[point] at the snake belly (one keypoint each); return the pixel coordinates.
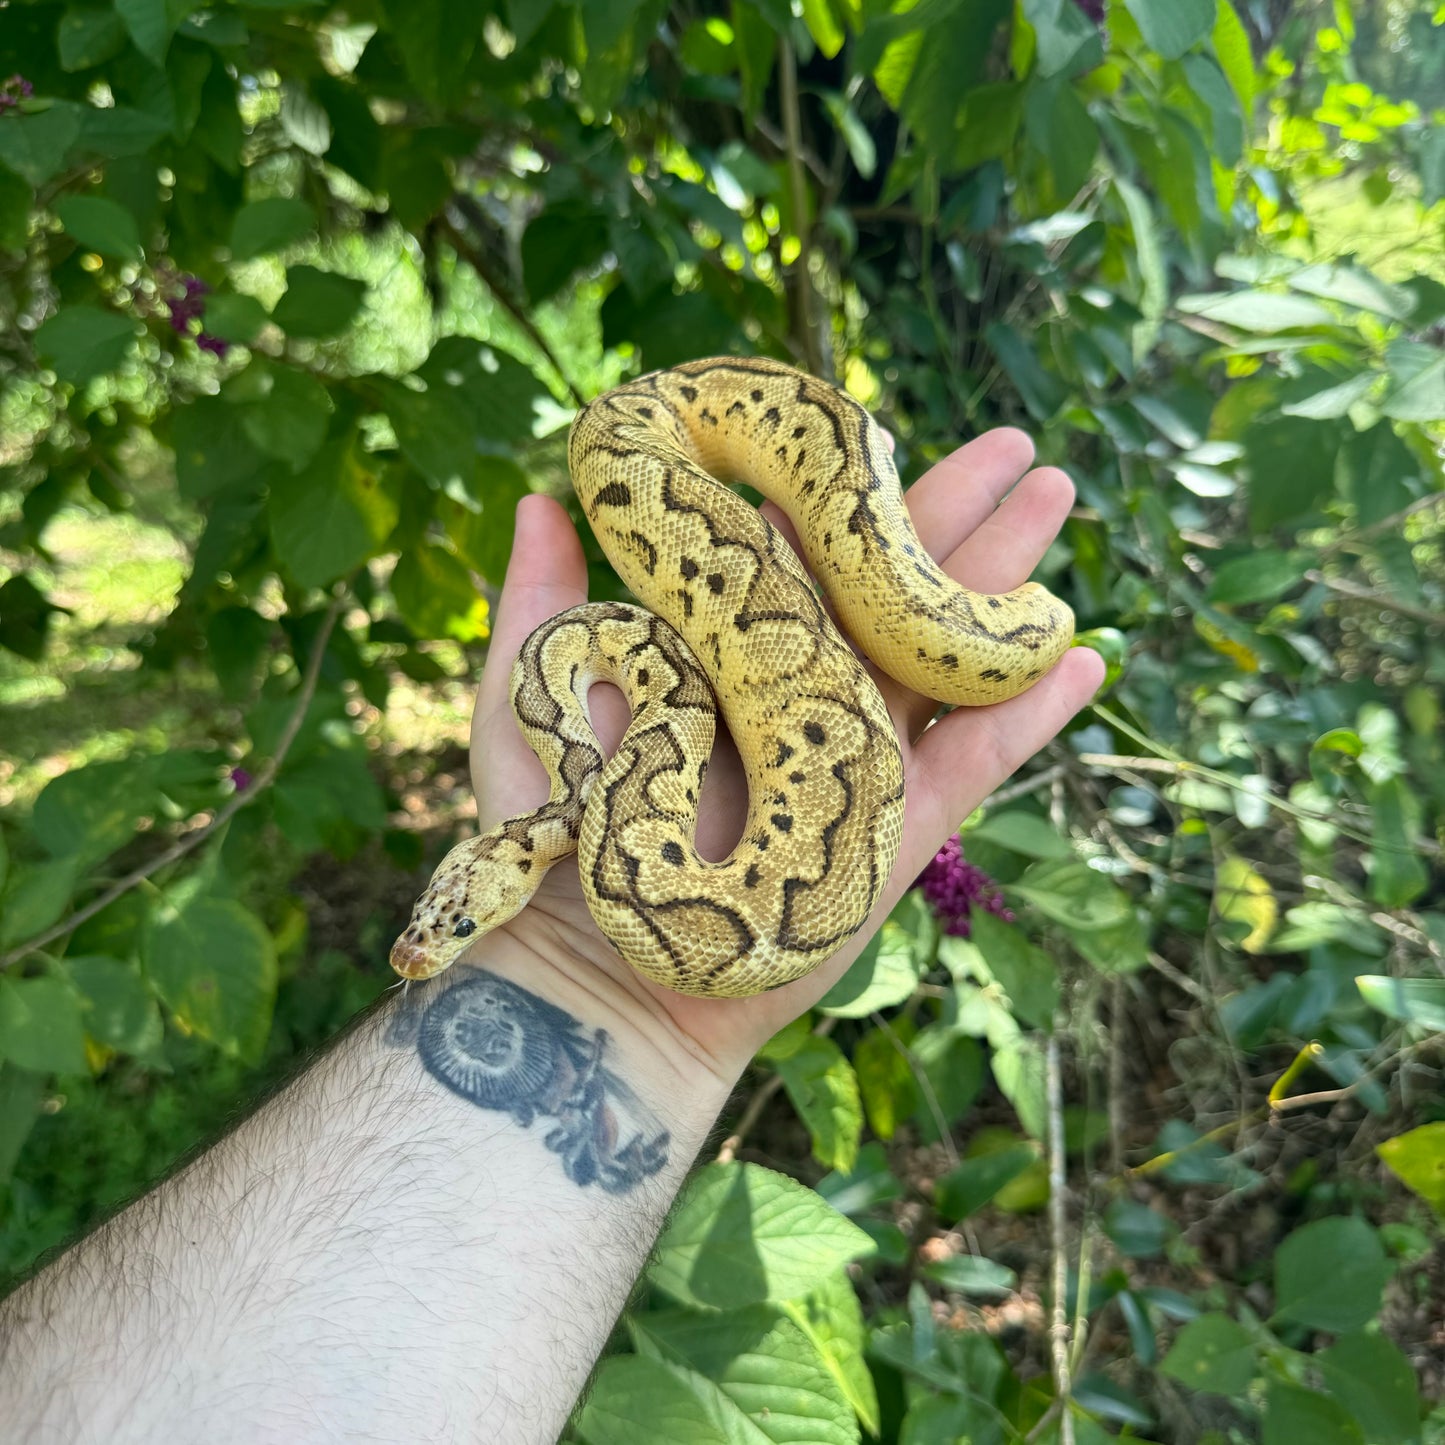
(650, 462)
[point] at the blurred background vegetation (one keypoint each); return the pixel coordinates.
(298, 300)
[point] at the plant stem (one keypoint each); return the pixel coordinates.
(1059, 1314)
(798, 195)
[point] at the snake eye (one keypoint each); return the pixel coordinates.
(465, 928)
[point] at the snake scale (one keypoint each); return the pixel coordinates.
(734, 617)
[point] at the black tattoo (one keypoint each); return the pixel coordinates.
(503, 1048)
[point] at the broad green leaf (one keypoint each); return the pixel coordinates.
(152, 23)
(1291, 465)
(436, 595)
(317, 303)
(20, 1095)
(1398, 874)
(1260, 576)
(1418, 397)
(117, 1009)
(1041, 391)
(479, 519)
(967, 1188)
(1352, 286)
(1066, 41)
(1073, 894)
(634, 1398)
(870, 1183)
(762, 1361)
(213, 449)
(1293, 1415)
(101, 225)
(742, 1235)
(1212, 1353)
(1369, 1376)
(885, 1081)
(234, 317)
(1333, 401)
(824, 1089)
(1417, 1158)
(17, 204)
(558, 243)
(35, 897)
(1149, 256)
(268, 225)
(831, 1317)
(1261, 311)
(88, 37)
(40, 1026)
(36, 145)
(332, 517)
(1242, 895)
(1018, 1070)
(881, 977)
(285, 411)
(972, 1275)
(1411, 1000)
(1138, 1231)
(1330, 1275)
(214, 966)
(952, 1068)
(92, 810)
(1024, 833)
(1235, 55)
(1027, 973)
(304, 121)
(823, 26)
(1172, 26)
(83, 341)
(499, 393)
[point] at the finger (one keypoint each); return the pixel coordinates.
(959, 493)
(963, 757)
(546, 574)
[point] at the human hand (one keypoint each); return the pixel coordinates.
(950, 767)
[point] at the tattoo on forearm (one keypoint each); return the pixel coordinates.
(504, 1048)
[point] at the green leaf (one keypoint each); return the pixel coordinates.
(268, 225)
(1417, 1157)
(20, 1094)
(1398, 874)
(101, 225)
(1138, 1231)
(317, 303)
(1212, 1353)
(35, 897)
(117, 1009)
(884, 974)
(1411, 1000)
(284, 411)
(824, 1089)
(1333, 401)
(967, 1188)
(214, 966)
(972, 1275)
(1172, 26)
(1330, 1275)
(92, 810)
(1073, 894)
(1257, 311)
(1236, 58)
(1026, 973)
(952, 1065)
(479, 514)
(1291, 465)
(40, 1026)
(436, 595)
(1066, 40)
(1039, 390)
(1149, 255)
(36, 145)
(1024, 833)
(762, 1361)
(234, 317)
(832, 1319)
(635, 1398)
(213, 450)
(885, 1081)
(83, 341)
(823, 26)
(1260, 576)
(556, 244)
(17, 202)
(88, 37)
(1376, 1384)
(1351, 286)
(1018, 1070)
(742, 1235)
(332, 517)
(1419, 396)
(1293, 1415)
(152, 23)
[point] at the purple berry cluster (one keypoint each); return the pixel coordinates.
(954, 887)
(13, 91)
(1094, 9)
(190, 306)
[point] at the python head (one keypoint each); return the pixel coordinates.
(480, 885)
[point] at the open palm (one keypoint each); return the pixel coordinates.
(989, 544)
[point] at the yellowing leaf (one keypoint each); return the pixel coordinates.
(1242, 895)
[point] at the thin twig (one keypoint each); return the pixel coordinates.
(265, 776)
(1025, 787)
(1059, 1314)
(1357, 593)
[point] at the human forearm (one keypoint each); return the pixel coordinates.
(427, 1236)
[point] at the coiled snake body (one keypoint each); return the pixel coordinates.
(733, 615)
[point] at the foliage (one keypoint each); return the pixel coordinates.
(317, 289)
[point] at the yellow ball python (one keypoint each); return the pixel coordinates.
(733, 616)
